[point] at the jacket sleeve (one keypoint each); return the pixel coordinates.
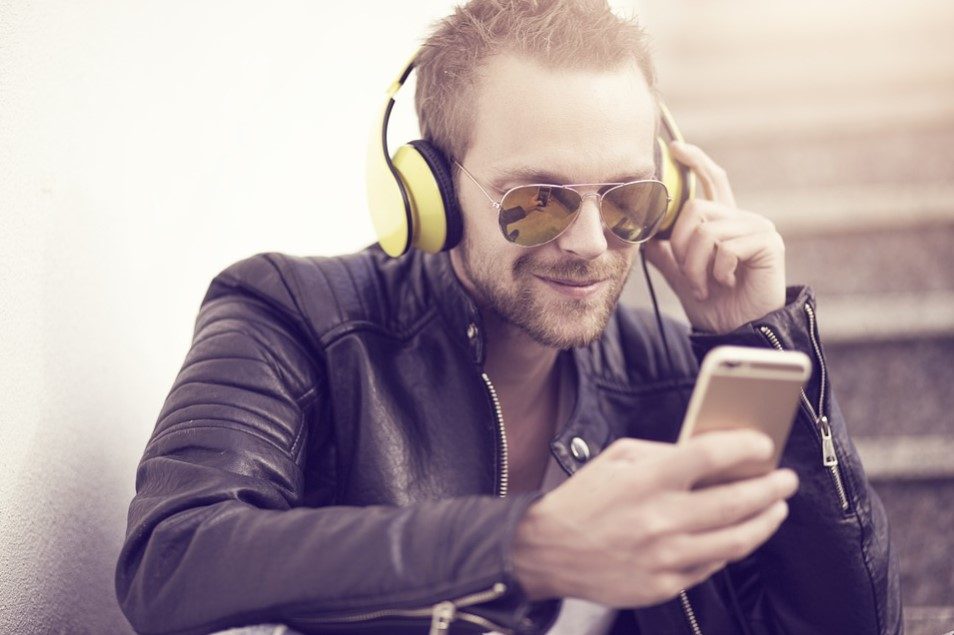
(219, 534)
(830, 568)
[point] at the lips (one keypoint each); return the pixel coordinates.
(572, 288)
(571, 283)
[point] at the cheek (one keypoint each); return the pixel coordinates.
(478, 216)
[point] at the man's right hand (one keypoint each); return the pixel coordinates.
(629, 530)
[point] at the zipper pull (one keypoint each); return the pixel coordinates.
(442, 617)
(829, 458)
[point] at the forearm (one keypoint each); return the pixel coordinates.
(225, 550)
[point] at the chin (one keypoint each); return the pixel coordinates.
(565, 327)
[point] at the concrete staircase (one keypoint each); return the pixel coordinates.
(836, 120)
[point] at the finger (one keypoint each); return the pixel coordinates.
(630, 449)
(717, 246)
(659, 253)
(730, 543)
(724, 505)
(695, 213)
(755, 250)
(713, 453)
(700, 249)
(668, 584)
(714, 251)
(712, 177)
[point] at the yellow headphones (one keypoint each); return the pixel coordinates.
(411, 195)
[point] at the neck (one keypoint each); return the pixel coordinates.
(527, 378)
(519, 365)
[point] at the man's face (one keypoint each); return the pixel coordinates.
(538, 125)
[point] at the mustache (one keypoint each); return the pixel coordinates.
(573, 269)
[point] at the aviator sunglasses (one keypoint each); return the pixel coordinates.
(532, 215)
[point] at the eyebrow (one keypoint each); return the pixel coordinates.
(527, 175)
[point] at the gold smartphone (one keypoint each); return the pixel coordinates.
(743, 387)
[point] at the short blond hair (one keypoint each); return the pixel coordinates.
(556, 33)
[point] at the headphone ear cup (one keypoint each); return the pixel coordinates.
(672, 177)
(679, 180)
(437, 213)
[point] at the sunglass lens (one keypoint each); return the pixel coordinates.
(633, 210)
(535, 214)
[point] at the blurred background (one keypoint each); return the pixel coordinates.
(146, 146)
(836, 120)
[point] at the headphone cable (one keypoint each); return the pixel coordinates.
(659, 321)
(727, 579)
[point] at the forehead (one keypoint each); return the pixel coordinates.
(586, 125)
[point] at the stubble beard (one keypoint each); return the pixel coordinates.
(560, 323)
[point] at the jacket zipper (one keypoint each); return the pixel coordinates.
(446, 612)
(829, 456)
(690, 613)
(503, 483)
(441, 614)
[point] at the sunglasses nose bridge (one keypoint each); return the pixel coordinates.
(597, 200)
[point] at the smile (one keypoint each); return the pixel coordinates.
(573, 288)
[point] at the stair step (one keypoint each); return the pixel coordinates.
(907, 457)
(788, 117)
(867, 261)
(929, 620)
(858, 319)
(839, 208)
(892, 387)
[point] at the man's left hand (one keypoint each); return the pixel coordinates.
(726, 265)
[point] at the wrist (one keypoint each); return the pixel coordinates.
(535, 554)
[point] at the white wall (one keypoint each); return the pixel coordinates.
(143, 147)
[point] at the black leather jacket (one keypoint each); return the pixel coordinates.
(331, 456)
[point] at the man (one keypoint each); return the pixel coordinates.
(385, 445)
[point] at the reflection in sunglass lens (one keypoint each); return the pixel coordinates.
(632, 211)
(535, 214)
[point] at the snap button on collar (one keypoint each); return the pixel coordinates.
(579, 449)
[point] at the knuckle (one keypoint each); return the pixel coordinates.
(621, 449)
(653, 528)
(668, 585)
(739, 546)
(667, 555)
(707, 233)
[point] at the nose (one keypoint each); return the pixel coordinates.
(586, 237)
